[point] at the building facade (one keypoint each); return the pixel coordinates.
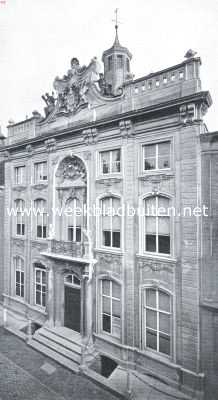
(132, 284)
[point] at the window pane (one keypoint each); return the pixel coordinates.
(38, 298)
(116, 290)
(106, 323)
(39, 231)
(17, 276)
(150, 206)
(107, 238)
(149, 163)
(106, 287)
(22, 291)
(105, 162)
(43, 299)
(116, 161)
(150, 225)
(164, 244)
(163, 225)
(149, 157)
(38, 276)
(23, 229)
(76, 281)
(151, 339)
(43, 277)
(116, 239)
(78, 234)
(163, 202)
(164, 155)
(164, 323)
(150, 150)
(17, 289)
(164, 301)
(151, 298)
(106, 306)
(151, 319)
(116, 308)
(44, 231)
(164, 344)
(150, 243)
(22, 277)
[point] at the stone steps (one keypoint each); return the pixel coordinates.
(60, 344)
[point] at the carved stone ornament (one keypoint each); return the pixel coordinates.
(125, 128)
(188, 113)
(39, 245)
(50, 145)
(156, 266)
(87, 155)
(6, 155)
(18, 243)
(72, 169)
(90, 135)
(29, 149)
(72, 89)
(106, 259)
(19, 188)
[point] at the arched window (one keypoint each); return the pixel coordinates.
(19, 212)
(111, 307)
(110, 222)
(157, 225)
(72, 280)
(19, 276)
(74, 220)
(157, 320)
(41, 218)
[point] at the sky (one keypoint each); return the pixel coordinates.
(38, 38)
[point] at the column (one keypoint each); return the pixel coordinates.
(59, 298)
(50, 299)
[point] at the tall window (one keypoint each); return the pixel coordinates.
(127, 65)
(41, 218)
(110, 161)
(74, 220)
(40, 172)
(40, 285)
(19, 276)
(19, 175)
(111, 222)
(157, 320)
(119, 61)
(157, 225)
(20, 225)
(157, 156)
(111, 307)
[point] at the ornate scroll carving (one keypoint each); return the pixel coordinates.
(50, 145)
(156, 265)
(29, 149)
(187, 113)
(125, 128)
(90, 136)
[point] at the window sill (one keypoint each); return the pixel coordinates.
(114, 178)
(40, 185)
(109, 251)
(22, 237)
(107, 338)
(155, 256)
(158, 173)
(161, 357)
(20, 187)
(38, 308)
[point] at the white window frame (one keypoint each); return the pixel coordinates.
(19, 174)
(156, 225)
(20, 213)
(40, 170)
(111, 224)
(74, 226)
(156, 144)
(19, 268)
(111, 281)
(72, 283)
(158, 312)
(41, 270)
(42, 214)
(110, 151)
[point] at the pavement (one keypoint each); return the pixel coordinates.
(26, 374)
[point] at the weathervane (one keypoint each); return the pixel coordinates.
(116, 20)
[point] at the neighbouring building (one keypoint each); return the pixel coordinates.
(141, 289)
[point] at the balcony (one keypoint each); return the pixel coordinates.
(72, 249)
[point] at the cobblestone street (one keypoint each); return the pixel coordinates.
(28, 375)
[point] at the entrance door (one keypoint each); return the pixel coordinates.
(72, 307)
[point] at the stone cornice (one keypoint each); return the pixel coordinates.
(203, 96)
